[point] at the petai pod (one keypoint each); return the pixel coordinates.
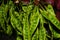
(34, 20)
(4, 19)
(3, 15)
(44, 13)
(54, 21)
(42, 30)
(50, 10)
(35, 36)
(19, 18)
(14, 20)
(51, 17)
(55, 34)
(26, 30)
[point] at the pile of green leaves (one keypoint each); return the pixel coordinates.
(31, 22)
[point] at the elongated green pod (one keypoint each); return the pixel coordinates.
(35, 36)
(50, 17)
(34, 20)
(42, 30)
(3, 16)
(26, 30)
(50, 10)
(19, 24)
(16, 23)
(11, 15)
(44, 13)
(15, 20)
(2, 21)
(3, 12)
(54, 21)
(54, 33)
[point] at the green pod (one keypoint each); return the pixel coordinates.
(35, 36)
(55, 34)
(26, 30)
(2, 20)
(34, 20)
(16, 24)
(14, 20)
(42, 30)
(54, 21)
(50, 10)
(3, 16)
(44, 13)
(51, 18)
(11, 15)
(19, 18)
(3, 12)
